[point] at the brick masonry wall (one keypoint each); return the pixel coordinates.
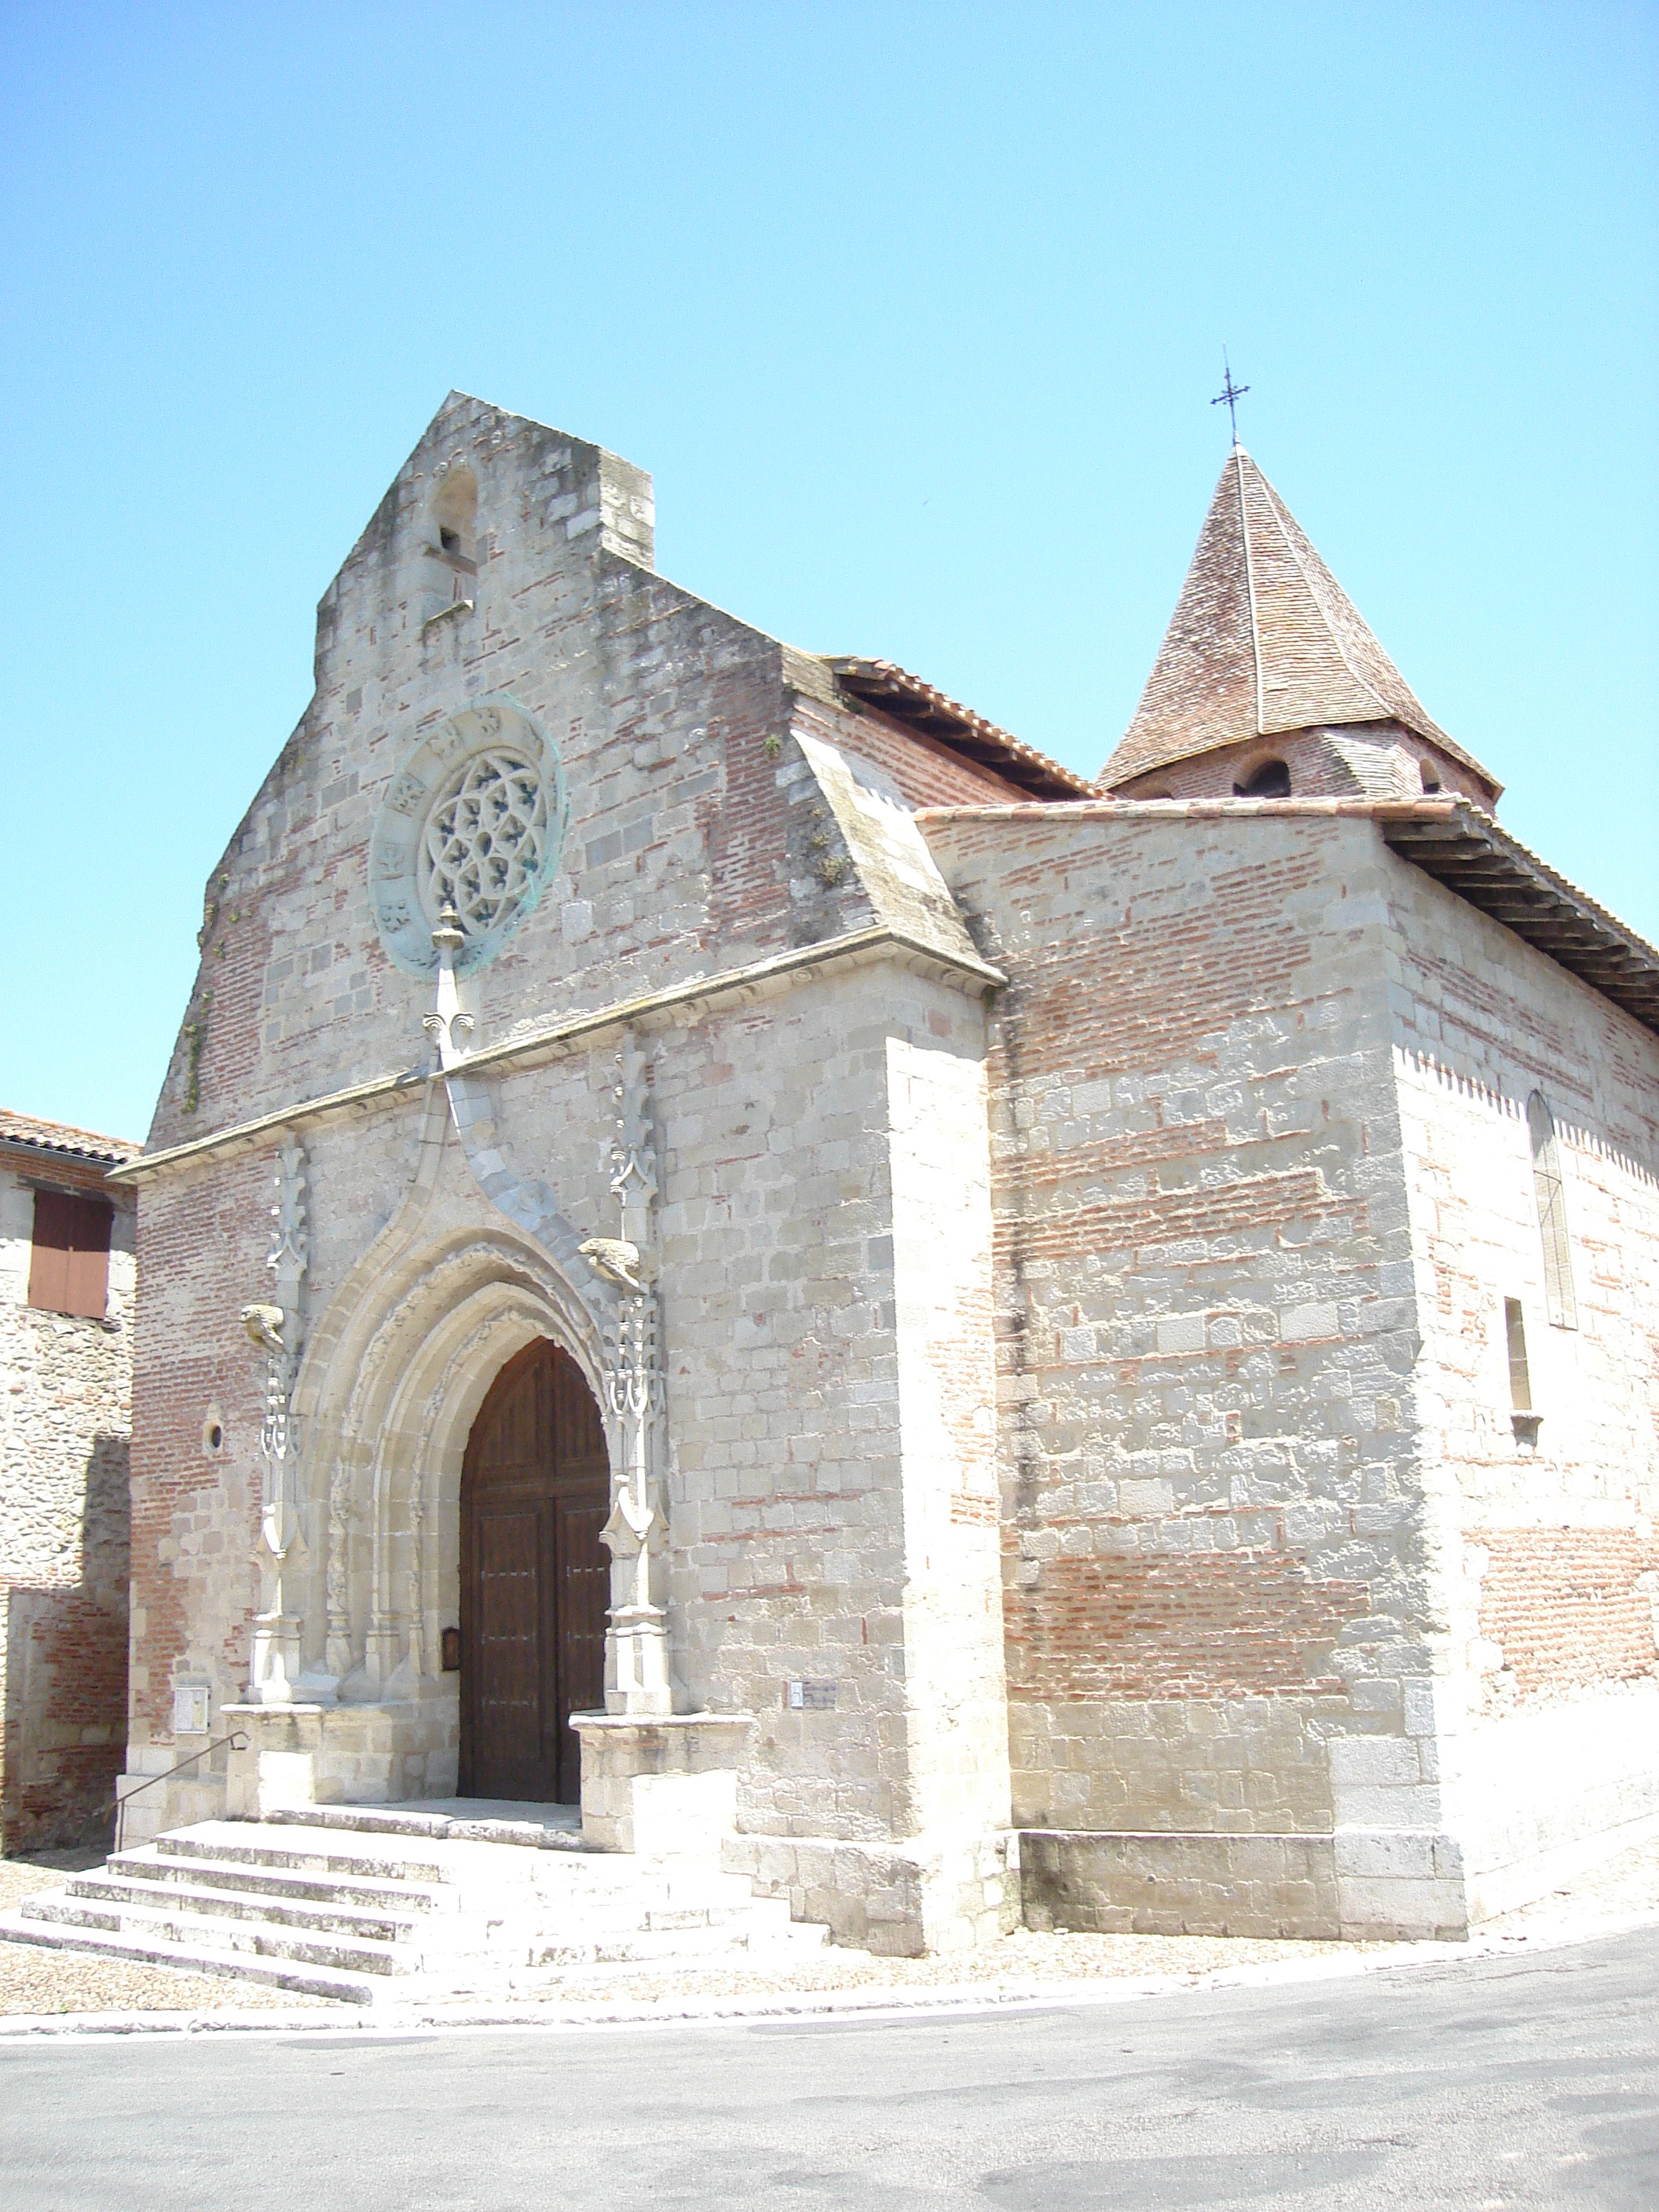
(927, 773)
(65, 1393)
(1565, 1609)
(1212, 1566)
(202, 1237)
(1366, 760)
(1549, 1551)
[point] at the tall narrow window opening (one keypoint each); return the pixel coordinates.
(1515, 1329)
(455, 510)
(1552, 1215)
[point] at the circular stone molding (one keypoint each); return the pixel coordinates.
(475, 819)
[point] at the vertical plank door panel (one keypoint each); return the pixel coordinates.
(535, 1578)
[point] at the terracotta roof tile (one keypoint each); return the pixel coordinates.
(59, 1137)
(908, 699)
(1263, 640)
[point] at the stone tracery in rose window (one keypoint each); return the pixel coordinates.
(484, 841)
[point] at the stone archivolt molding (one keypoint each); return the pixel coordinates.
(395, 1368)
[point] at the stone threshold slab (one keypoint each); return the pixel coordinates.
(455, 1819)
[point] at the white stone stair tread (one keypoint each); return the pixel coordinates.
(107, 1891)
(196, 1932)
(308, 1851)
(242, 1878)
(149, 1950)
(487, 1821)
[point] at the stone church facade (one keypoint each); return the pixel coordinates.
(998, 1345)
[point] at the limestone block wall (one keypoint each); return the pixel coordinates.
(942, 1242)
(701, 839)
(825, 1223)
(1549, 1556)
(65, 1417)
(815, 1328)
(687, 832)
(1216, 1584)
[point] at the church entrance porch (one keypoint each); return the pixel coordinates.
(534, 1579)
(405, 1904)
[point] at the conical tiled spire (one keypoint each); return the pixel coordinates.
(1263, 640)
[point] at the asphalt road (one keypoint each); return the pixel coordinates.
(1521, 2081)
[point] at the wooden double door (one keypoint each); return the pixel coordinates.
(535, 1579)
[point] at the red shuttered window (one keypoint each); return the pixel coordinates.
(69, 1262)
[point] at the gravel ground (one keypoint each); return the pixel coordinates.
(1020, 1965)
(1623, 1891)
(34, 1980)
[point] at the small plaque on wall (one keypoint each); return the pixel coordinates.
(449, 1643)
(190, 1708)
(811, 1697)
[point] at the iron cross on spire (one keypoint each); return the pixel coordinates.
(1231, 392)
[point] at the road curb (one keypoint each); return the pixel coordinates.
(796, 2006)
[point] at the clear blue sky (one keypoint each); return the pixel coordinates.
(913, 313)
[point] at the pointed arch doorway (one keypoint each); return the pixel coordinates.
(535, 1493)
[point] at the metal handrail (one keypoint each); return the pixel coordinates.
(237, 1741)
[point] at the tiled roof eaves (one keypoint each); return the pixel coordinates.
(883, 683)
(20, 1134)
(1463, 847)
(1452, 840)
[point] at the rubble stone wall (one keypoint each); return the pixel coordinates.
(65, 1418)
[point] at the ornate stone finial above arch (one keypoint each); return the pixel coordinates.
(637, 1678)
(276, 1630)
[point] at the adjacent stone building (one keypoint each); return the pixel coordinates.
(1004, 1344)
(66, 1294)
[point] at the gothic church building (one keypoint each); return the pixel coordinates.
(727, 1243)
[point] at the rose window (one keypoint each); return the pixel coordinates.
(484, 843)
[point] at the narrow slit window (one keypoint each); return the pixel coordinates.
(1514, 1328)
(1552, 1215)
(455, 511)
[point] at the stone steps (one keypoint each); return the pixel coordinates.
(185, 1930)
(169, 1892)
(369, 1903)
(193, 1958)
(149, 1863)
